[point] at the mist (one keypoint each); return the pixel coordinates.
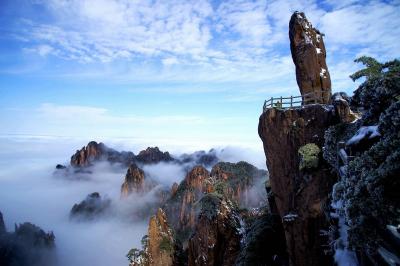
(29, 192)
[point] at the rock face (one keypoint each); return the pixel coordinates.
(241, 182)
(90, 208)
(181, 206)
(340, 101)
(159, 246)
(2, 225)
(206, 159)
(299, 192)
(153, 155)
(204, 216)
(161, 241)
(134, 181)
(264, 243)
(28, 245)
(308, 53)
(98, 151)
(216, 240)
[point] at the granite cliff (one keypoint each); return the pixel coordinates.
(27, 245)
(300, 180)
(309, 56)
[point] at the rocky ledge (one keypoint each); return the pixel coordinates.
(299, 178)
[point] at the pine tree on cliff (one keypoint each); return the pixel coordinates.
(380, 89)
(369, 191)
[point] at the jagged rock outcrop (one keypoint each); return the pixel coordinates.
(181, 206)
(159, 246)
(241, 182)
(174, 189)
(341, 103)
(308, 53)
(27, 245)
(161, 241)
(201, 206)
(216, 238)
(90, 208)
(97, 152)
(264, 243)
(134, 181)
(206, 159)
(300, 193)
(2, 225)
(152, 156)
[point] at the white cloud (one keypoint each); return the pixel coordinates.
(238, 40)
(93, 115)
(88, 30)
(170, 61)
(374, 26)
(249, 19)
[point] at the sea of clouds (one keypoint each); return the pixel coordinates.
(30, 192)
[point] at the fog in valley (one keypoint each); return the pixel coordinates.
(30, 192)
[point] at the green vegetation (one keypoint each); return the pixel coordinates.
(134, 255)
(309, 156)
(380, 89)
(210, 204)
(369, 193)
(242, 173)
(264, 241)
(220, 187)
(166, 244)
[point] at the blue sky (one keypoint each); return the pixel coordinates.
(186, 72)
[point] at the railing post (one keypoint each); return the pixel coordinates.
(272, 102)
(291, 101)
(281, 102)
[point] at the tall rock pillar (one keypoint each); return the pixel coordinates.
(308, 53)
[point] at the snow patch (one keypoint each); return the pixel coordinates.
(364, 132)
(322, 72)
(307, 38)
(388, 256)
(343, 255)
(318, 50)
(290, 217)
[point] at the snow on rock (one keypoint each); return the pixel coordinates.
(318, 50)
(322, 72)
(290, 217)
(364, 132)
(343, 255)
(389, 257)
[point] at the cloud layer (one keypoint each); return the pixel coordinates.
(241, 38)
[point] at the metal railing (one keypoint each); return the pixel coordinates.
(293, 101)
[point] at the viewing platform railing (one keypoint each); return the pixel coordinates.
(293, 101)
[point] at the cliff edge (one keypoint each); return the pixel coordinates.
(300, 180)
